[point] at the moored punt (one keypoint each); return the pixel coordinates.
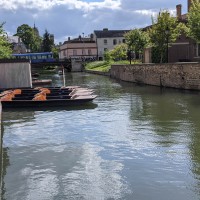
(38, 97)
(48, 103)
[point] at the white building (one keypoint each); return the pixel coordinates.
(108, 39)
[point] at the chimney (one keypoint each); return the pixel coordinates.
(179, 11)
(91, 37)
(189, 4)
(68, 38)
(105, 29)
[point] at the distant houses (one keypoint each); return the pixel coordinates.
(92, 47)
(17, 45)
(184, 49)
(108, 39)
(79, 48)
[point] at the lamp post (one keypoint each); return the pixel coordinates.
(83, 51)
(167, 37)
(129, 55)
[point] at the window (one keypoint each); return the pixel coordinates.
(123, 40)
(83, 52)
(89, 52)
(114, 42)
(74, 52)
(105, 49)
(105, 42)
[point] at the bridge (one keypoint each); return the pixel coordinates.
(66, 63)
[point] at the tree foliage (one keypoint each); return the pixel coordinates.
(159, 38)
(136, 40)
(29, 37)
(25, 32)
(47, 42)
(194, 20)
(119, 52)
(55, 51)
(5, 48)
(107, 56)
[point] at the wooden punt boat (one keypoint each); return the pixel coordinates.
(58, 97)
(48, 103)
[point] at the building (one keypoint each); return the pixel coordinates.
(108, 39)
(184, 49)
(17, 45)
(79, 48)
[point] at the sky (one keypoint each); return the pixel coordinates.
(71, 18)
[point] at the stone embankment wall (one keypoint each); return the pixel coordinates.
(1, 151)
(13, 75)
(176, 75)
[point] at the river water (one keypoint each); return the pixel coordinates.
(133, 142)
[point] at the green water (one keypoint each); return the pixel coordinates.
(132, 143)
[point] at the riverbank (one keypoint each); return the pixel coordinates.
(1, 154)
(173, 75)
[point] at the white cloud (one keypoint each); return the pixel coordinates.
(49, 4)
(146, 12)
(65, 18)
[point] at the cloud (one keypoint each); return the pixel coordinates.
(49, 4)
(65, 18)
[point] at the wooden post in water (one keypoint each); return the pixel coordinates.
(63, 70)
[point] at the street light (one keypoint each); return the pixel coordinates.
(129, 55)
(83, 50)
(167, 37)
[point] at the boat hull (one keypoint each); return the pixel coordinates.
(47, 103)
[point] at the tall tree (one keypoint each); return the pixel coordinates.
(165, 29)
(47, 42)
(36, 44)
(30, 37)
(25, 32)
(5, 47)
(194, 20)
(136, 40)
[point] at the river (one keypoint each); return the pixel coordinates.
(134, 142)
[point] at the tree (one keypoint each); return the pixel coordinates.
(136, 40)
(194, 21)
(47, 42)
(36, 44)
(107, 56)
(55, 51)
(25, 32)
(5, 47)
(119, 52)
(159, 37)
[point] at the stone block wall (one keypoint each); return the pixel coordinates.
(175, 75)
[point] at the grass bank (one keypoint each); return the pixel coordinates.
(103, 66)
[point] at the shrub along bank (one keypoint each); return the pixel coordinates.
(103, 66)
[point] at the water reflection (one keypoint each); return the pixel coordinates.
(140, 142)
(42, 172)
